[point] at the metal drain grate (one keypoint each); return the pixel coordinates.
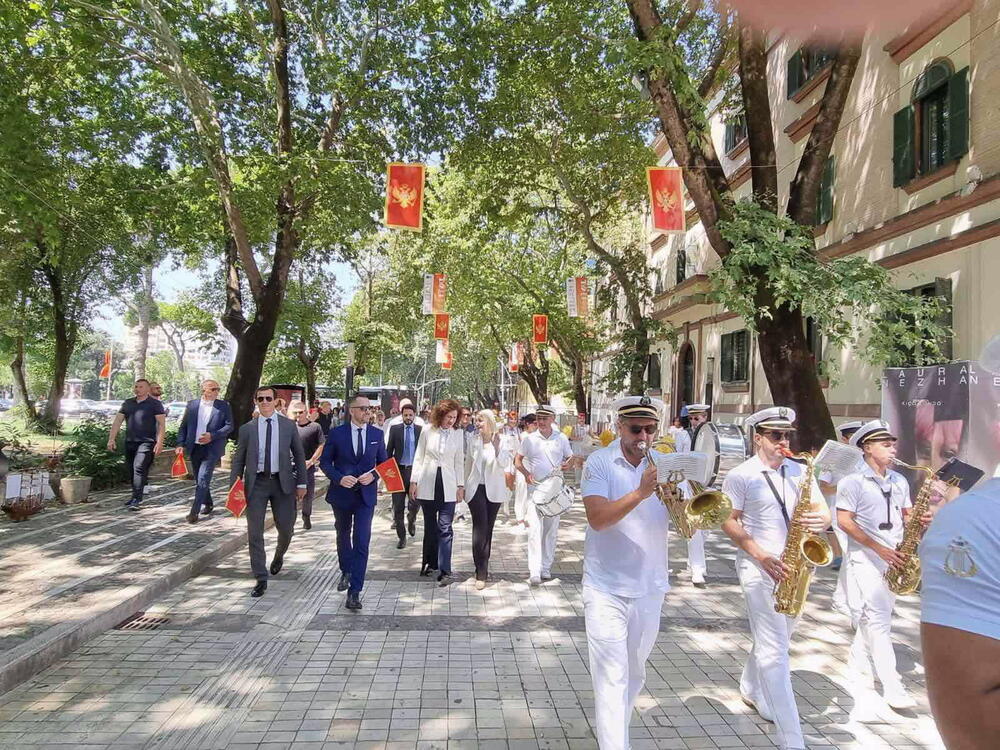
(142, 621)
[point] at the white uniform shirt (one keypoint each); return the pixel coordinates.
(629, 558)
(864, 494)
(750, 492)
(204, 414)
(543, 456)
(971, 604)
(682, 441)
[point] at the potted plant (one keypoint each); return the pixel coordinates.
(88, 464)
(226, 462)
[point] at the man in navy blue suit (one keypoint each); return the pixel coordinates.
(204, 428)
(350, 455)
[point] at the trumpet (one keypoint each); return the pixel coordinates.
(704, 510)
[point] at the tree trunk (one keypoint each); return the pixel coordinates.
(251, 351)
(311, 383)
(64, 336)
(145, 312)
(20, 381)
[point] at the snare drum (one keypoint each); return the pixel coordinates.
(551, 497)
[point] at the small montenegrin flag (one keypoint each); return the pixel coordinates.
(441, 352)
(577, 297)
(389, 472)
(236, 500)
(179, 469)
(435, 293)
(540, 329)
(106, 367)
(404, 198)
(446, 365)
(666, 198)
(441, 325)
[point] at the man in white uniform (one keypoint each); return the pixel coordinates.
(871, 510)
(542, 454)
(697, 416)
(764, 490)
(624, 566)
(828, 484)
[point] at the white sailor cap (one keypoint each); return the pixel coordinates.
(772, 418)
(545, 410)
(877, 429)
(849, 428)
(638, 406)
(697, 408)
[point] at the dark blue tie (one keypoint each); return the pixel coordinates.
(408, 446)
(267, 448)
(361, 448)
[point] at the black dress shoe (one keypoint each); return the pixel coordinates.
(276, 564)
(259, 589)
(192, 518)
(342, 582)
(425, 569)
(353, 600)
(445, 579)
(401, 543)
(306, 523)
(411, 526)
(207, 510)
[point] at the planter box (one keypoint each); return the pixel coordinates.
(74, 489)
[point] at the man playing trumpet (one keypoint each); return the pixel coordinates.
(624, 566)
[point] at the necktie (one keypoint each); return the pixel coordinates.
(408, 445)
(267, 448)
(360, 449)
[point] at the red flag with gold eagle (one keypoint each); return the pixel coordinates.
(666, 198)
(179, 469)
(442, 323)
(404, 197)
(236, 500)
(389, 472)
(540, 329)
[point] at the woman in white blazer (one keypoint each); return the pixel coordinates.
(488, 484)
(438, 481)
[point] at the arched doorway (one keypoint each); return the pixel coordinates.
(685, 390)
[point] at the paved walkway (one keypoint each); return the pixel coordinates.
(428, 667)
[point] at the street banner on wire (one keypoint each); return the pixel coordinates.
(516, 356)
(389, 473)
(540, 329)
(435, 293)
(577, 297)
(106, 367)
(666, 198)
(404, 197)
(441, 352)
(236, 499)
(442, 324)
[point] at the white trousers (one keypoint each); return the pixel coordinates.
(871, 615)
(542, 533)
(841, 593)
(767, 676)
(621, 632)
(696, 553)
(520, 496)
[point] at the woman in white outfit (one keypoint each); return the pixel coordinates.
(487, 484)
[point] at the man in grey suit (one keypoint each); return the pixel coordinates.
(275, 472)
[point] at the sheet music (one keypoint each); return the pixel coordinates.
(839, 459)
(693, 465)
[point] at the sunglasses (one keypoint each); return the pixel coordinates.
(263, 399)
(778, 436)
(636, 429)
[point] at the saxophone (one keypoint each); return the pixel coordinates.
(905, 580)
(804, 551)
(706, 509)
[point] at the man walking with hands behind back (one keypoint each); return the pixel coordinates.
(273, 466)
(351, 453)
(204, 428)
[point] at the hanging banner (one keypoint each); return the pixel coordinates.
(435, 293)
(577, 297)
(446, 365)
(540, 329)
(441, 352)
(516, 356)
(441, 325)
(106, 368)
(404, 198)
(666, 198)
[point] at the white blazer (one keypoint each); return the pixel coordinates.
(429, 458)
(488, 469)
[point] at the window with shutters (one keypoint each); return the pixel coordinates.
(735, 357)
(914, 356)
(934, 129)
(804, 65)
(653, 372)
(814, 342)
(682, 261)
(736, 132)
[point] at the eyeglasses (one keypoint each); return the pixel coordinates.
(778, 436)
(264, 399)
(298, 413)
(636, 429)
(212, 389)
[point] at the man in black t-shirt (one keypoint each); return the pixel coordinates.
(313, 438)
(145, 422)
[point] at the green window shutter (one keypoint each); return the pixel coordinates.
(958, 115)
(727, 358)
(942, 288)
(741, 355)
(824, 200)
(903, 167)
(795, 73)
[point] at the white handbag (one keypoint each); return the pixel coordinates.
(551, 497)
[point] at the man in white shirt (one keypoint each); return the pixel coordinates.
(872, 507)
(206, 424)
(764, 491)
(624, 566)
(683, 440)
(542, 454)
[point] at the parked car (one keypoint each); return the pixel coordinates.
(77, 407)
(175, 409)
(5, 404)
(109, 408)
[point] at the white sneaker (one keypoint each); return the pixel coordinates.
(900, 701)
(760, 708)
(698, 578)
(535, 581)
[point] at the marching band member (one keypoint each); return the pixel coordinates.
(871, 510)
(697, 416)
(838, 539)
(624, 566)
(542, 454)
(764, 490)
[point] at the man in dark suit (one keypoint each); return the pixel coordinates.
(350, 455)
(402, 446)
(204, 428)
(269, 457)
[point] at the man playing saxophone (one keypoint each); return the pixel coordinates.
(624, 566)
(872, 507)
(764, 491)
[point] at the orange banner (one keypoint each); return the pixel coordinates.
(446, 365)
(390, 474)
(666, 198)
(179, 469)
(236, 500)
(540, 329)
(435, 293)
(106, 368)
(404, 198)
(441, 351)
(442, 323)
(577, 297)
